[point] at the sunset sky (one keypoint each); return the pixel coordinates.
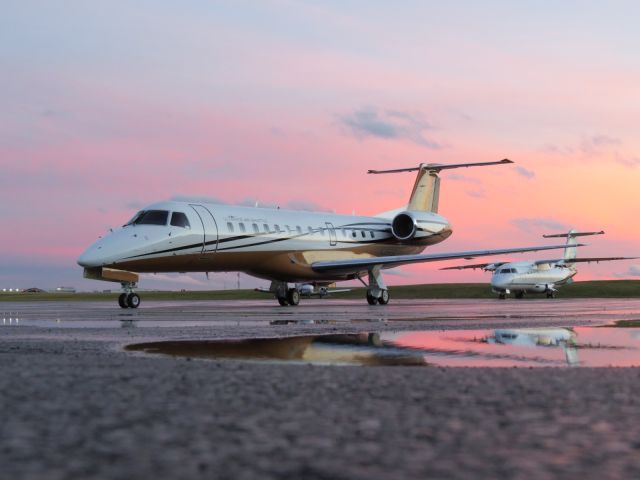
(109, 106)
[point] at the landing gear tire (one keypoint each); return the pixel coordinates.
(502, 296)
(283, 301)
(122, 300)
(133, 300)
(551, 294)
(519, 295)
(293, 297)
(371, 300)
(384, 297)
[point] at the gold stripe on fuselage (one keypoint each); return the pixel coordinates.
(283, 265)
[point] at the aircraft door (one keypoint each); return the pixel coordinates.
(333, 239)
(209, 226)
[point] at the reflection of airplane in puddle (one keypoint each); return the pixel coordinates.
(564, 338)
(537, 276)
(348, 349)
(283, 246)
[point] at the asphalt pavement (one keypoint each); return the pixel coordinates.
(75, 404)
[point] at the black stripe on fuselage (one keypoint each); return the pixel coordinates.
(242, 237)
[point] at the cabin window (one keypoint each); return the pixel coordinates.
(255, 228)
(230, 226)
(299, 229)
(266, 228)
(353, 233)
(371, 234)
(179, 219)
(362, 233)
(242, 229)
(277, 227)
(151, 217)
(287, 228)
(310, 230)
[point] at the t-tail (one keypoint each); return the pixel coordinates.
(426, 189)
(570, 250)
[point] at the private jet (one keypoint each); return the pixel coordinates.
(285, 247)
(538, 276)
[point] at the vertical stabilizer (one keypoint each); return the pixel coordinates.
(426, 191)
(570, 250)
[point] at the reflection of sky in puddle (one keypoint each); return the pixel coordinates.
(580, 346)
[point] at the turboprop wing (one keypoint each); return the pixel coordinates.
(483, 266)
(561, 261)
(361, 264)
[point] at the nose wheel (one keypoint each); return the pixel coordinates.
(129, 299)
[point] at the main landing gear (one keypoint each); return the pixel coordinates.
(377, 292)
(129, 299)
(284, 294)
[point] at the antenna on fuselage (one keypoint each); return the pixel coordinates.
(426, 189)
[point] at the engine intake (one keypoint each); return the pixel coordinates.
(404, 226)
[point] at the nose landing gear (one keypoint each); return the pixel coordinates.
(129, 299)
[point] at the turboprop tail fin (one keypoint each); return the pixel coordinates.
(570, 251)
(426, 189)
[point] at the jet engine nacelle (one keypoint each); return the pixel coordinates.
(404, 226)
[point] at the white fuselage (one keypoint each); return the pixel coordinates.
(529, 277)
(267, 243)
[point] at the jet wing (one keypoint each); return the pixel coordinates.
(360, 264)
(484, 266)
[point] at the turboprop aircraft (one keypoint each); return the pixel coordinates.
(538, 276)
(283, 246)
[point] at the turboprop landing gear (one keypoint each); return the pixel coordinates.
(129, 299)
(502, 296)
(377, 292)
(519, 295)
(551, 294)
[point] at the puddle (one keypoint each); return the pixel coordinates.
(535, 347)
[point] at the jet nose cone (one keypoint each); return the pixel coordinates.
(91, 257)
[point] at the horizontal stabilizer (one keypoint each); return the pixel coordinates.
(360, 264)
(436, 167)
(573, 234)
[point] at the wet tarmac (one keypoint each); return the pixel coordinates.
(83, 397)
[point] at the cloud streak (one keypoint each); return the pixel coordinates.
(389, 124)
(535, 225)
(523, 172)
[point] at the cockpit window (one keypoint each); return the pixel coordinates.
(150, 217)
(179, 219)
(508, 270)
